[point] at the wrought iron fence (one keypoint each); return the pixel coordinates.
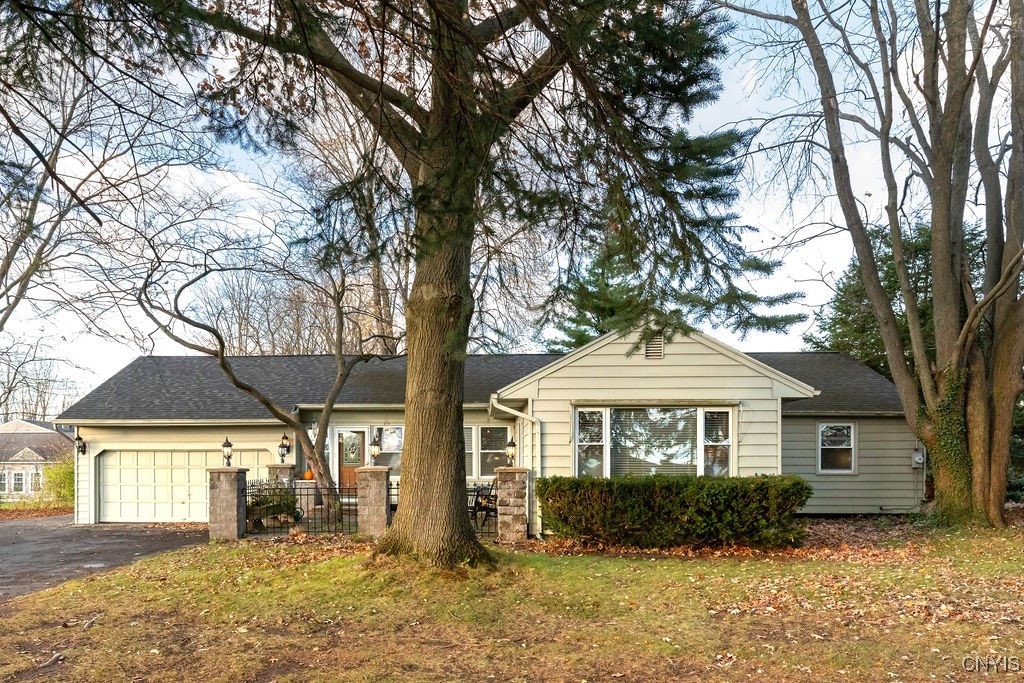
(274, 507)
(481, 505)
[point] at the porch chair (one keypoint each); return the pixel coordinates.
(485, 500)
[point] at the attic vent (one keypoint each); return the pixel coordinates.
(654, 347)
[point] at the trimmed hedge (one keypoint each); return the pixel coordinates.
(663, 511)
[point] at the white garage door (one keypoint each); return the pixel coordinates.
(158, 486)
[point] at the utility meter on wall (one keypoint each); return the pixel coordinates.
(917, 458)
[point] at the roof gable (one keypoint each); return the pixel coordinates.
(795, 387)
(26, 455)
(25, 427)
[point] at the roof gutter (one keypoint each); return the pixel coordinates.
(512, 411)
(371, 406)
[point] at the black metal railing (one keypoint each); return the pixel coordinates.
(481, 505)
(274, 507)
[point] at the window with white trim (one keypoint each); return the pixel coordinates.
(590, 442)
(3, 482)
(467, 436)
(36, 483)
(392, 440)
(492, 449)
(485, 449)
(836, 453)
(19, 483)
(638, 441)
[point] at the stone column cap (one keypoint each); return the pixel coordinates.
(374, 468)
(511, 469)
(227, 469)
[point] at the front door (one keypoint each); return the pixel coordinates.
(352, 450)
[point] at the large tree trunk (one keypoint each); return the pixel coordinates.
(432, 523)
(943, 432)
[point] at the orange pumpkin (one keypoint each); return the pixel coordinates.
(308, 475)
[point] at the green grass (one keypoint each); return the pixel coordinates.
(315, 609)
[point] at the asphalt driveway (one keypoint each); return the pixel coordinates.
(45, 551)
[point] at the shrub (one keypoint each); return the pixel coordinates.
(271, 500)
(59, 482)
(1015, 490)
(664, 511)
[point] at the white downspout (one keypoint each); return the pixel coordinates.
(535, 421)
(535, 430)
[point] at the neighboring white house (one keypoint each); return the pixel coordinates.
(26, 446)
(614, 407)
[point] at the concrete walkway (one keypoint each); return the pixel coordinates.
(45, 551)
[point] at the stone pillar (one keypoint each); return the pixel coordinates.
(280, 473)
(227, 503)
(511, 503)
(374, 507)
(308, 495)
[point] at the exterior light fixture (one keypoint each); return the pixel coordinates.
(285, 447)
(79, 445)
(375, 445)
(225, 448)
(510, 452)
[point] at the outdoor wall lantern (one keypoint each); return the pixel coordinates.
(225, 448)
(285, 447)
(375, 445)
(510, 452)
(79, 445)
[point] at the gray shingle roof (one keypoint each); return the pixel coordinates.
(194, 388)
(50, 445)
(847, 386)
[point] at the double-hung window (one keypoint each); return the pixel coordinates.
(836, 451)
(19, 483)
(3, 482)
(485, 449)
(392, 440)
(36, 482)
(638, 441)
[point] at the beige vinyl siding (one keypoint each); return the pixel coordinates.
(255, 446)
(368, 419)
(690, 372)
(884, 480)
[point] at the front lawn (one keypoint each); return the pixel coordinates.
(859, 603)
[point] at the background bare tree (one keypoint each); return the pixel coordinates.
(177, 266)
(926, 97)
(70, 120)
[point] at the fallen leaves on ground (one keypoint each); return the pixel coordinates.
(858, 539)
(7, 513)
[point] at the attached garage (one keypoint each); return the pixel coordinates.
(154, 486)
(147, 473)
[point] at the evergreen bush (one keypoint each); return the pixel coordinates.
(663, 511)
